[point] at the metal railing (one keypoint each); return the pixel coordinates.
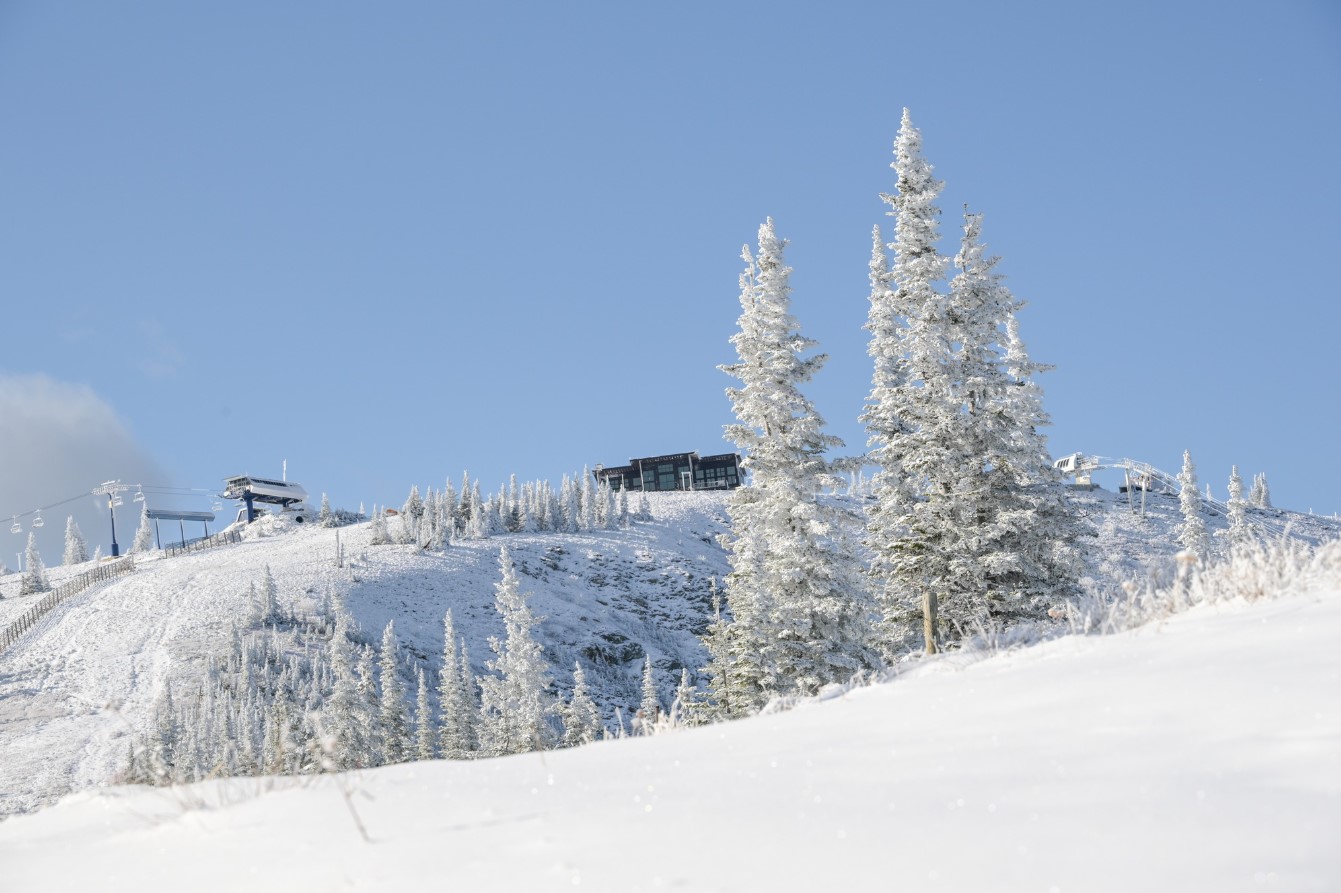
(227, 538)
(75, 585)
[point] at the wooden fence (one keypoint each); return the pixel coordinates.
(227, 538)
(75, 585)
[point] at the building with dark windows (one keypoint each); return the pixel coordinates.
(678, 471)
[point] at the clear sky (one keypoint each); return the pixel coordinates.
(391, 242)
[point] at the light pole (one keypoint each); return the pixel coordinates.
(110, 489)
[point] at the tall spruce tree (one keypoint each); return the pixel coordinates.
(391, 705)
(455, 728)
(1239, 532)
(970, 520)
(581, 720)
(514, 702)
(76, 549)
(795, 591)
(144, 534)
(907, 397)
(34, 571)
(1192, 532)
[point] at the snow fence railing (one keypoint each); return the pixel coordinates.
(226, 538)
(73, 586)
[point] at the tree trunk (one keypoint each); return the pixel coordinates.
(929, 620)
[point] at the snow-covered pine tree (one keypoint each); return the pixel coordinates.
(581, 720)
(34, 571)
(906, 311)
(970, 519)
(610, 515)
(623, 506)
(391, 706)
(1260, 494)
(371, 702)
(732, 671)
(1192, 532)
(514, 702)
(454, 731)
(76, 549)
(796, 590)
(344, 745)
(412, 513)
(265, 600)
(1239, 532)
(649, 709)
(325, 517)
(144, 534)
(423, 722)
(588, 500)
(377, 532)
(571, 504)
(686, 705)
(1030, 554)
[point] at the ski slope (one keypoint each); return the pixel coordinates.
(1201, 753)
(76, 690)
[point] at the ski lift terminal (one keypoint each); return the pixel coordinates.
(289, 496)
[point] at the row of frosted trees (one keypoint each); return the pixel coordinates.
(434, 521)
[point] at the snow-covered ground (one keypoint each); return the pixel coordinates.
(75, 690)
(1202, 753)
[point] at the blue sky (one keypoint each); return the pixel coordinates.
(391, 242)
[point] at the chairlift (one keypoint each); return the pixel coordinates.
(38, 522)
(116, 500)
(216, 506)
(139, 494)
(17, 527)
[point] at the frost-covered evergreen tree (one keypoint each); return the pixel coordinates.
(34, 571)
(906, 310)
(588, 501)
(796, 591)
(423, 722)
(1192, 532)
(345, 721)
(1260, 494)
(144, 534)
(454, 735)
(1239, 532)
(581, 720)
(369, 706)
(649, 708)
(377, 532)
(969, 520)
(733, 671)
(76, 549)
(325, 517)
(265, 600)
(514, 702)
(391, 708)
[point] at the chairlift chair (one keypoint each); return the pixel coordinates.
(38, 522)
(139, 494)
(16, 527)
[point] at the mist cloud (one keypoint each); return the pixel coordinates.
(59, 440)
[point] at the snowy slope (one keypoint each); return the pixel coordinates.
(1202, 753)
(75, 691)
